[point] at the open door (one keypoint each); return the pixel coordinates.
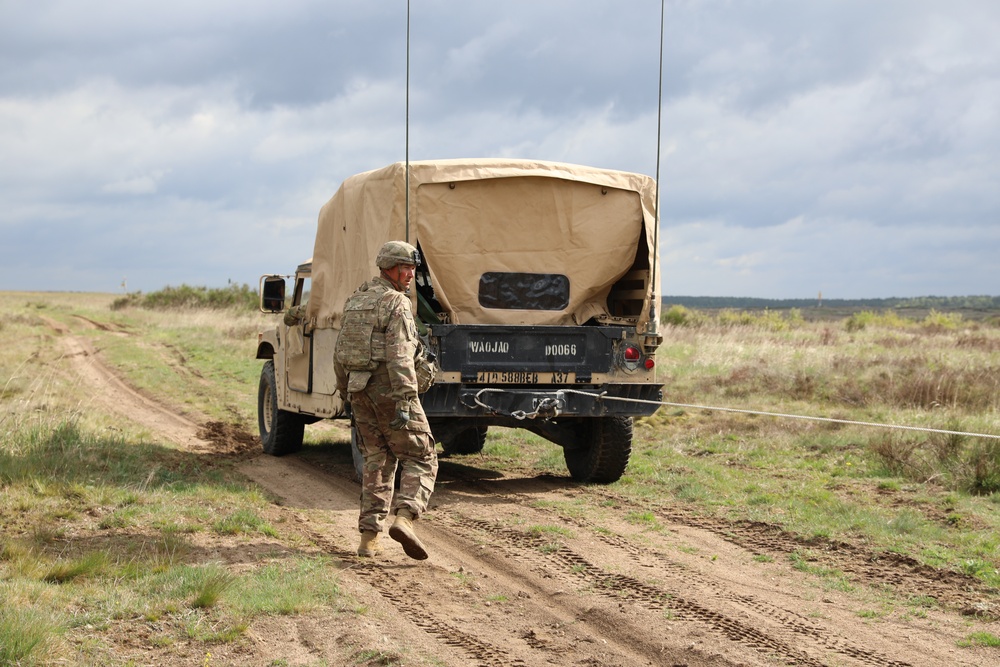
(299, 337)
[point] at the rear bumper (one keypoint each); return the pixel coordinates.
(463, 400)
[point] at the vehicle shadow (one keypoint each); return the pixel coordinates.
(457, 475)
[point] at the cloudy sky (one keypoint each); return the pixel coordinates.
(844, 146)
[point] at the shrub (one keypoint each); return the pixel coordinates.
(985, 468)
(132, 300)
(679, 316)
(233, 296)
(936, 321)
(770, 320)
(866, 318)
(734, 318)
(953, 461)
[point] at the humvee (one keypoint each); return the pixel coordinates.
(537, 294)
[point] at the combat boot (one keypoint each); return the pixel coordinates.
(402, 531)
(369, 544)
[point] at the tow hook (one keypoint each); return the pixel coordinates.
(548, 407)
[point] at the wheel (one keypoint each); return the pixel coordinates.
(602, 453)
(469, 441)
(280, 431)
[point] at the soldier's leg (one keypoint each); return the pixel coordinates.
(379, 470)
(415, 451)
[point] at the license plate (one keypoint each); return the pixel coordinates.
(525, 377)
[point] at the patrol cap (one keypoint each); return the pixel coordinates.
(397, 252)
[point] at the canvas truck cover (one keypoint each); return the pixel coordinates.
(472, 217)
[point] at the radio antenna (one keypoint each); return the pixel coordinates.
(407, 133)
(653, 320)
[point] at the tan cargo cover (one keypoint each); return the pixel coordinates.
(475, 216)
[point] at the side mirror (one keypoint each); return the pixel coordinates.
(272, 294)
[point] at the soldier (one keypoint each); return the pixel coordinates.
(375, 362)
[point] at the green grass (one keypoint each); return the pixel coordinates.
(25, 634)
(106, 517)
(244, 521)
(69, 470)
(549, 531)
(375, 657)
(810, 489)
(987, 639)
(211, 586)
(207, 603)
(203, 361)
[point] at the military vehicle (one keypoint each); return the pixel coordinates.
(537, 294)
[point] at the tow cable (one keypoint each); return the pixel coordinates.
(546, 408)
(550, 407)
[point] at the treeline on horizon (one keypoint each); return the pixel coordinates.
(244, 296)
(925, 302)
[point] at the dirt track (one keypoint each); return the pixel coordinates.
(519, 574)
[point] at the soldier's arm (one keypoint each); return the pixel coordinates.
(295, 314)
(340, 376)
(400, 346)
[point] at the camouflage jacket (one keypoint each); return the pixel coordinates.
(295, 314)
(392, 344)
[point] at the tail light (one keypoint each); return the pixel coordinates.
(631, 357)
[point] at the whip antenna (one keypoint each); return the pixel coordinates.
(653, 320)
(407, 132)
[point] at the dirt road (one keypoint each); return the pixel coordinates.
(522, 573)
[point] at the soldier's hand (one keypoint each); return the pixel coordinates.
(400, 420)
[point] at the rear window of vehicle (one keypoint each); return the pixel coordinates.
(523, 291)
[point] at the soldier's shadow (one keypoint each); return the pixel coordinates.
(452, 470)
(460, 483)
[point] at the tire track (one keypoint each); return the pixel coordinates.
(388, 585)
(875, 569)
(792, 623)
(624, 587)
(576, 635)
(121, 398)
(909, 577)
(772, 632)
(537, 552)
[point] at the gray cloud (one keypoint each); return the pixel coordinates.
(845, 146)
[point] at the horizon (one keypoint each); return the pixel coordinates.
(663, 297)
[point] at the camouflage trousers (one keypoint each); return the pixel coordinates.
(382, 448)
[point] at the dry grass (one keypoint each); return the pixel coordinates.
(873, 367)
(889, 370)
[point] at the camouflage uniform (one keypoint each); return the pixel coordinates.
(387, 381)
(295, 314)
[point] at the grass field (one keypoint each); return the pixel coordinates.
(73, 477)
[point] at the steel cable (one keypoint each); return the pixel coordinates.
(604, 397)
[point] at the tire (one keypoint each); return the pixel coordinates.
(470, 441)
(280, 431)
(602, 454)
